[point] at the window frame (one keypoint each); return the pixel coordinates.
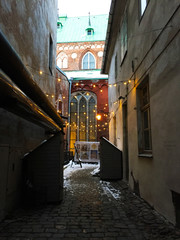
(141, 12)
(141, 110)
(50, 53)
(88, 68)
(87, 128)
(116, 66)
(124, 38)
(62, 58)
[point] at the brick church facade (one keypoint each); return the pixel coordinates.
(80, 46)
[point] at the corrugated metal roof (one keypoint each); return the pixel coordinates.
(74, 29)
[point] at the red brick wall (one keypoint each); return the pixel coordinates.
(62, 97)
(101, 86)
(80, 49)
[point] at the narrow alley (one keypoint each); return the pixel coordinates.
(91, 209)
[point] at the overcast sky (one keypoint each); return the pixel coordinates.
(75, 8)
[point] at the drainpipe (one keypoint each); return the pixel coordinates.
(12, 65)
(69, 111)
(13, 100)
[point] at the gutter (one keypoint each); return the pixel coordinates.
(115, 16)
(108, 33)
(12, 65)
(63, 73)
(13, 100)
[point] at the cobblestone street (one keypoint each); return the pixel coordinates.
(91, 209)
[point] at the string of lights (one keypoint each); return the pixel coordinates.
(42, 73)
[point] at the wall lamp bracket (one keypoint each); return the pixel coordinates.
(121, 97)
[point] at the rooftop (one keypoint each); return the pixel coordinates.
(74, 29)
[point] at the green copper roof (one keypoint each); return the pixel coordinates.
(74, 29)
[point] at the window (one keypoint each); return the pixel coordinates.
(116, 66)
(123, 38)
(50, 53)
(73, 123)
(88, 61)
(90, 31)
(60, 107)
(115, 131)
(83, 117)
(143, 4)
(92, 119)
(62, 60)
(144, 128)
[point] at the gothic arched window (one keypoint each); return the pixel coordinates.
(88, 61)
(73, 122)
(92, 119)
(82, 119)
(83, 125)
(62, 60)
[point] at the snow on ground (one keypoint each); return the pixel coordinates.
(71, 168)
(106, 186)
(110, 190)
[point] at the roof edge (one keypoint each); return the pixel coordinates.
(115, 15)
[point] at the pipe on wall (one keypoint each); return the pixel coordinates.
(13, 100)
(12, 65)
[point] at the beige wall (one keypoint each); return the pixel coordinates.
(27, 26)
(155, 51)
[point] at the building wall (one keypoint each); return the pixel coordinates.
(75, 52)
(27, 25)
(154, 51)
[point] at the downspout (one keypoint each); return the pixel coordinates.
(12, 65)
(69, 111)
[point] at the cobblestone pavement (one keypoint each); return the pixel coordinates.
(91, 210)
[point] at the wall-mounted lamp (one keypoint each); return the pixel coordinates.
(121, 97)
(98, 116)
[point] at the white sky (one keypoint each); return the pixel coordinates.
(74, 8)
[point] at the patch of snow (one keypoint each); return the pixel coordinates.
(96, 171)
(68, 169)
(110, 190)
